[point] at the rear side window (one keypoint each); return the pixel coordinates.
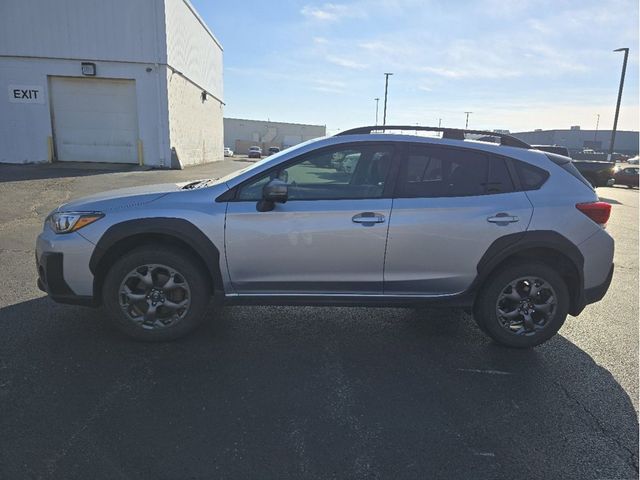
(499, 178)
(440, 172)
(531, 178)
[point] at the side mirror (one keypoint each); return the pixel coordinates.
(276, 191)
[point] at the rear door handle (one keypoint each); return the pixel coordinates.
(368, 217)
(503, 218)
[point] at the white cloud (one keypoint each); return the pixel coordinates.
(331, 12)
(345, 62)
(329, 86)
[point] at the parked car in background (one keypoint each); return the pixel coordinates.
(255, 152)
(627, 176)
(513, 234)
(228, 152)
(273, 150)
(633, 160)
(598, 173)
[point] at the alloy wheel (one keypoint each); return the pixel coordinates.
(154, 296)
(526, 306)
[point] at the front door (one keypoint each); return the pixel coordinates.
(451, 205)
(328, 238)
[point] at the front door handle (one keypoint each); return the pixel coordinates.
(503, 218)
(368, 218)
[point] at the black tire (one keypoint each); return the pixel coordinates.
(189, 271)
(485, 310)
(629, 186)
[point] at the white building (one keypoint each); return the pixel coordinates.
(109, 81)
(240, 134)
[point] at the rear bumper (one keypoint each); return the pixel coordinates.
(597, 293)
(592, 294)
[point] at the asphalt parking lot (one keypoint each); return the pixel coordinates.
(304, 392)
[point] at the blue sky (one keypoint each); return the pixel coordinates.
(516, 64)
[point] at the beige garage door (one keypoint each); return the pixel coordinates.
(94, 119)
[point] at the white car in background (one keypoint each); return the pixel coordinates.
(228, 152)
(255, 152)
(633, 160)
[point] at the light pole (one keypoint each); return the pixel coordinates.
(615, 120)
(377, 99)
(386, 88)
(439, 122)
(595, 135)
(466, 125)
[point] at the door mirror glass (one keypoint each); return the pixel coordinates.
(275, 191)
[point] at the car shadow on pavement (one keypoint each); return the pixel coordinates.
(18, 173)
(279, 392)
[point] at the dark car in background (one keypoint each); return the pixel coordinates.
(597, 173)
(627, 176)
(273, 150)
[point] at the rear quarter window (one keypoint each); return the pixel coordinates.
(531, 177)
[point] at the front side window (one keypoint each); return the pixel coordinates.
(443, 172)
(345, 172)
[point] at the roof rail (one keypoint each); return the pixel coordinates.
(449, 133)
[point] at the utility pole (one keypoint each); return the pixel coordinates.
(439, 122)
(377, 99)
(615, 120)
(386, 88)
(595, 135)
(466, 125)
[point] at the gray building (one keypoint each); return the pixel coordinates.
(116, 81)
(576, 139)
(240, 134)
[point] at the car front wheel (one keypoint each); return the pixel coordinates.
(522, 305)
(155, 293)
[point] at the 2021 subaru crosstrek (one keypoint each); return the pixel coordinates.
(512, 233)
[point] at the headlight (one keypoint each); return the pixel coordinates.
(67, 222)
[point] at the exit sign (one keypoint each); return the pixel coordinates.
(26, 94)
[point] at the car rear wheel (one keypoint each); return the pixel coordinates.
(156, 294)
(523, 305)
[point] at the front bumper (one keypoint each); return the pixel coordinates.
(51, 280)
(62, 263)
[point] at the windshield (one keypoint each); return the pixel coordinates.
(269, 159)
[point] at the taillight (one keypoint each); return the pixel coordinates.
(599, 212)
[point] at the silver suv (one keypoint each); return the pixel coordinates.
(513, 234)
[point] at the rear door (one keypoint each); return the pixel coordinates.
(450, 205)
(329, 237)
